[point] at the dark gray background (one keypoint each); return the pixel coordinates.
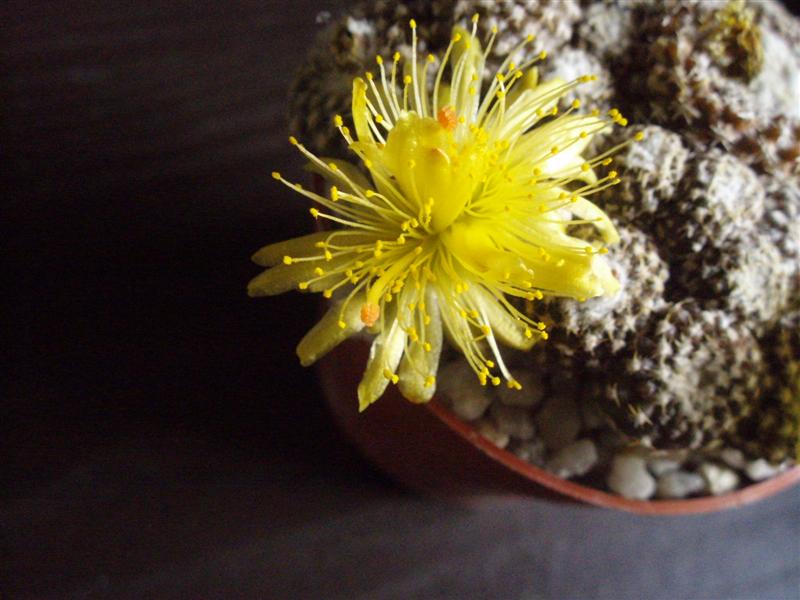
(158, 438)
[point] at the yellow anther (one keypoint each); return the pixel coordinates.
(430, 380)
(427, 346)
(338, 121)
(612, 174)
(495, 381)
(639, 136)
(544, 335)
(334, 193)
(319, 272)
(303, 285)
(457, 38)
(576, 103)
(530, 38)
(314, 212)
(328, 255)
(412, 23)
(554, 150)
(431, 58)
(276, 175)
(379, 59)
(396, 57)
(475, 18)
(542, 55)
(341, 324)
(287, 260)
(486, 329)
(293, 140)
(328, 293)
(585, 167)
(379, 119)
(369, 76)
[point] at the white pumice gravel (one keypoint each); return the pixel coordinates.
(490, 431)
(558, 422)
(733, 457)
(513, 421)
(679, 484)
(629, 477)
(533, 452)
(760, 469)
(592, 416)
(458, 383)
(719, 480)
(573, 460)
(660, 465)
(529, 396)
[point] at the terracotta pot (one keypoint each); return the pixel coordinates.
(429, 449)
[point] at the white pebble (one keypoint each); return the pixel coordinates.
(629, 477)
(719, 480)
(574, 460)
(529, 396)
(679, 484)
(532, 452)
(660, 465)
(513, 421)
(733, 458)
(760, 469)
(468, 398)
(488, 430)
(592, 415)
(558, 422)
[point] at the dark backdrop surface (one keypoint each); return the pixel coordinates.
(158, 438)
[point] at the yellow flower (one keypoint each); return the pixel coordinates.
(468, 192)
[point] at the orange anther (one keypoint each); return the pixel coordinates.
(447, 117)
(370, 313)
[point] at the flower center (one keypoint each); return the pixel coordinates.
(431, 167)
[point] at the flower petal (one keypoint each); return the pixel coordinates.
(360, 111)
(384, 356)
(526, 105)
(273, 254)
(328, 333)
(583, 209)
(505, 327)
(418, 366)
(283, 278)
